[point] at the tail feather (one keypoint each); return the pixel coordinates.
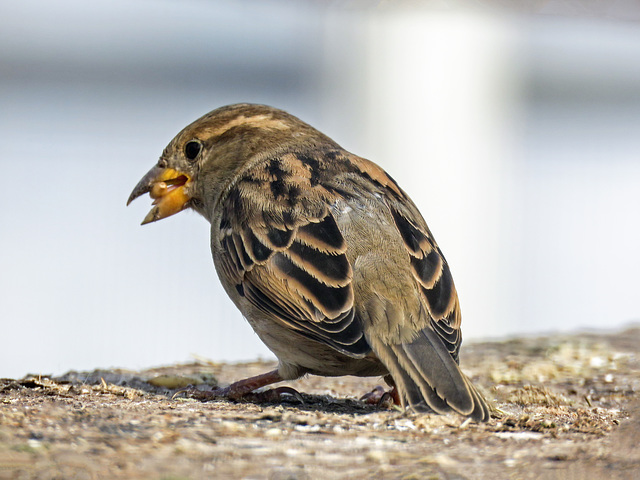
(417, 386)
(436, 367)
(481, 411)
(416, 393)
(428, 378)
(410, 393)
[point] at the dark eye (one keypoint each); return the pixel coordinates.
(192, 149)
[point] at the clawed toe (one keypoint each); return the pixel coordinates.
(244, 390)
(380, 397)
(202, 395)
(274, 395)
(374, 396)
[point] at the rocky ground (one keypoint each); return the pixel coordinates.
(568, 409)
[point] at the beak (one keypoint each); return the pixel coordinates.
(167, 188)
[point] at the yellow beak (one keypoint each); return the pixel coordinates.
(167, 188)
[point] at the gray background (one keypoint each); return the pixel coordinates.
(516, 133)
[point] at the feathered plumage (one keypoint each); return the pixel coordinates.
(325, 255)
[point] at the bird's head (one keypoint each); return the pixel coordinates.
(203, 159)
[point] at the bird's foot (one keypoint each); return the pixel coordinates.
(202, 395)
(244, 390)
(273, 395)
(381, 397)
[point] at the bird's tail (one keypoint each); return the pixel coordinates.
(428, 378)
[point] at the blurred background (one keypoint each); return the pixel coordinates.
(516, 131)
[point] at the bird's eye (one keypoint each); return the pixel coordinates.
(192, 149)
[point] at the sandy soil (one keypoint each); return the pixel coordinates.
(568, 409)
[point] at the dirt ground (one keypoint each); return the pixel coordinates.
(569, 410)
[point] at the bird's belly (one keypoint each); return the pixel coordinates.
(299, 355)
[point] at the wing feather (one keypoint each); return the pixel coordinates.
(431, 271)
(282, 249)
(424, 366)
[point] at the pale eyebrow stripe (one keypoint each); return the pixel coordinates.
(258, 120)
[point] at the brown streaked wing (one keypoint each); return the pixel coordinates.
(429, 266)
(431, 271)
(285, 254)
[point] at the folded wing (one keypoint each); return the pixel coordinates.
(285, 254)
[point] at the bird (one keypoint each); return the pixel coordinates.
(323, 253)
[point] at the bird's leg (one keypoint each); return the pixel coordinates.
(381, 397)
(244, 390)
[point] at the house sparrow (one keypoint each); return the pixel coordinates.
(323, 253)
